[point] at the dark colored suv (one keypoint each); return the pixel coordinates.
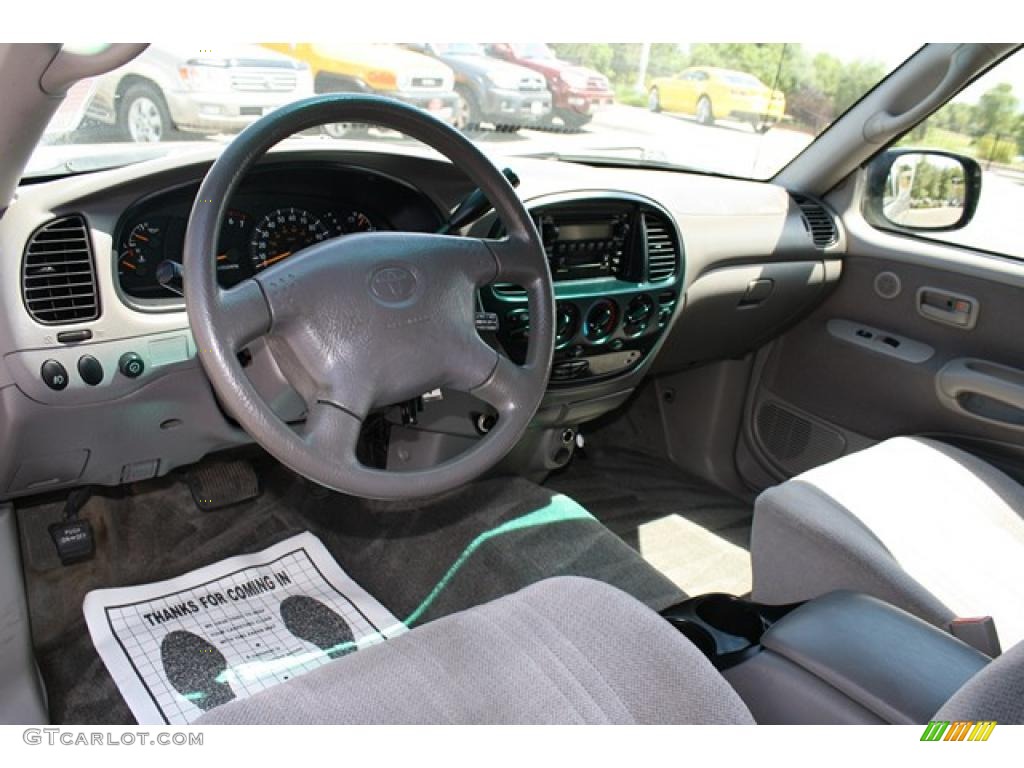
(577, 92)
(491, 91)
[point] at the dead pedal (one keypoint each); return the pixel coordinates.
(222, 484)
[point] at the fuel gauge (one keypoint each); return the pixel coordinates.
(357, 221)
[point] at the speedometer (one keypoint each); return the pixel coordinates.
(283, 232)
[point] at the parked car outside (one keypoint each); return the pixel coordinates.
(388, 70)
(490, 90)
(711, 93)
(577, 92)
(168, 89)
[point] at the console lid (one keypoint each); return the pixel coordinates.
(895, 665)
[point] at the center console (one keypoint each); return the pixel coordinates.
(840, 658)
(617, 263)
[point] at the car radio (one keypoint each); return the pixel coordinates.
(584, 245)
(617, 264)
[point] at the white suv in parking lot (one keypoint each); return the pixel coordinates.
(166, 90)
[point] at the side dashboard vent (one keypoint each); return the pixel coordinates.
(662, 248)
(58, 276)
(819, 222)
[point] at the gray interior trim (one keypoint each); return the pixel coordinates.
(891, 663)
(877, 340)
(779, 692)
(22, 696)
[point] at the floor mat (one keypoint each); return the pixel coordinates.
(421, 560)
(695, 534)
(181, 647)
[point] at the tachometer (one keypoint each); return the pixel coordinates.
(283, 232)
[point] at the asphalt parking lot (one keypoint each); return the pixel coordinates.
(726, 147)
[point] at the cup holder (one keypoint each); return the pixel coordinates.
(726, 629)
(732, 615)
(697, 635)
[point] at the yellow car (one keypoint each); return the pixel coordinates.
(388, 70)
(710, 93)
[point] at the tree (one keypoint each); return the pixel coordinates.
(997, 111)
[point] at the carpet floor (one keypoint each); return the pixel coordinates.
(695, 534)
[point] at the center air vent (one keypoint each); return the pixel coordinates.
(58, 279)
(819, 222)
(662, 251)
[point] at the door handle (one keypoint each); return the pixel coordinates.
(947, 307)
(983, 390)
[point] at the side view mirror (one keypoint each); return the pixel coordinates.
(923, 190)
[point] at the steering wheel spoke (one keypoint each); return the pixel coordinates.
(503, 386)
(514, 261)
(332, 433)
(245, 314)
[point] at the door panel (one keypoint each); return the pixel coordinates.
(908, 372)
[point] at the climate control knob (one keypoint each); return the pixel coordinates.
(638, 315)
(567, 323)
(601, 320)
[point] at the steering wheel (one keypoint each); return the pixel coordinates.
(369, 319)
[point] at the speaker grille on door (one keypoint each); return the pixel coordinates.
(793, 442)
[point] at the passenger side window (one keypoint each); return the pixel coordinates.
(986, 122)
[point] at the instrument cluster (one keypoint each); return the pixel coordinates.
(250, 241)
(276, 212)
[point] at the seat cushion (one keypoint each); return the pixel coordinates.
(564, 650)
(917, 523)
(995, 693)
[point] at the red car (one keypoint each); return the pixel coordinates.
(577, 92)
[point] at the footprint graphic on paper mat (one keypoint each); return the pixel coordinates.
(192, 666)
(310, 620)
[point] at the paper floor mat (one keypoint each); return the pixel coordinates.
(181, 647)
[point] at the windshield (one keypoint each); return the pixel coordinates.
(738, 109)
(534, 51)
(459, 49)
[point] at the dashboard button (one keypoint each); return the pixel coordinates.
(90, 370)
(131, 365)
(55, 376)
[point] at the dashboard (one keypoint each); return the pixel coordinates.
(276, 212)
(100, 380)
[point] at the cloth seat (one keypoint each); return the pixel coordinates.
(917, 523)
(564, 650)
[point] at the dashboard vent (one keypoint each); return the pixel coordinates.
(819, 222)
(662, 253)
(58, 279)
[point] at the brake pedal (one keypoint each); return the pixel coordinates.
(222, 484)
